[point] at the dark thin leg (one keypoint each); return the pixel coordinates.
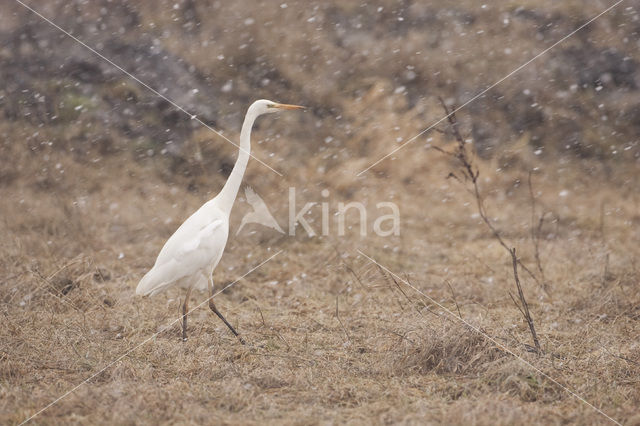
(217, 312)
(184, 315)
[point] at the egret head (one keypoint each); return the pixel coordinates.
(264, 106)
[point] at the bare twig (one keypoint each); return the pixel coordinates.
(601, 227)
(605, 270)
(471, 173)
(389, 284)
(358, 280)
(603, 237)
(391, 278)
(535, 233)
(454, 298)
(513, 299)
(525, 307)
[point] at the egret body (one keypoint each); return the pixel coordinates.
(191, 254)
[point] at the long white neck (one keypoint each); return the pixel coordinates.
(230, 189)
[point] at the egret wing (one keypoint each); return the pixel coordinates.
(186, 257)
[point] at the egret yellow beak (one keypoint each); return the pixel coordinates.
(287, 106)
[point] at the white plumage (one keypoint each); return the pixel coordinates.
(190, 255)
(182, 259)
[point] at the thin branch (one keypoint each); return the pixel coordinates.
(350, 269)
(516, 303)
(390, 278)
(535, 233)
(471, 173)
(605, 270)
(454, 298)
(523, 302)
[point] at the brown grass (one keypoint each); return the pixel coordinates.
(69, 309)
(87, 205)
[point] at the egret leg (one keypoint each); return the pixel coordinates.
(184, 314)
(217, 312)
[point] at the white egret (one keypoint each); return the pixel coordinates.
(190, 255)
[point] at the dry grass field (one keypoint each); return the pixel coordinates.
(96, 174)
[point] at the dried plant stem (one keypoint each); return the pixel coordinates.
(391, 279)
(496, 233)
(454, 298)
(535, 234)
(524, 308)
(470, 173)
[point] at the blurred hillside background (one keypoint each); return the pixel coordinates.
(96, 171)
